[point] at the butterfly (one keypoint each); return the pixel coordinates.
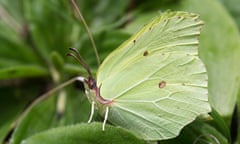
(154, 84)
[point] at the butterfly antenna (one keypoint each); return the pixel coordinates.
(81, 18)
(77, 56)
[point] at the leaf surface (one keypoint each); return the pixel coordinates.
(85, 134)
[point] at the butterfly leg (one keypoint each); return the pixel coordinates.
(105, 118)
(92, 112)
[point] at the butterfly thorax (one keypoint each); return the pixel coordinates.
(93, 93)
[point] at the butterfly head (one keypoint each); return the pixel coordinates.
(91, 84)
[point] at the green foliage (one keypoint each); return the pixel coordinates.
(34, 41)
(84, 133)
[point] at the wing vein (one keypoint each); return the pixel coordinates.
(144, 118)
(143, 80)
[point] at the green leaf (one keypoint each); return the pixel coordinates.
(49, 25)
(220, 124)
(198, 132)
(17, 59)
(15, 97)
(10, 107)
(46, 115)
(102, 14)
(233, 8)
(20, 71)
(39, 118)
(57, 61)
(85, 134)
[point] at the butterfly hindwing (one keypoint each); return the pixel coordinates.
(155, 79)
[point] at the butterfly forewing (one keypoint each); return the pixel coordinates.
(156, 80)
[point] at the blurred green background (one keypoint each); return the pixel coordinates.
(34, 40)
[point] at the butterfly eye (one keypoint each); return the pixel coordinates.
(79, 85)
